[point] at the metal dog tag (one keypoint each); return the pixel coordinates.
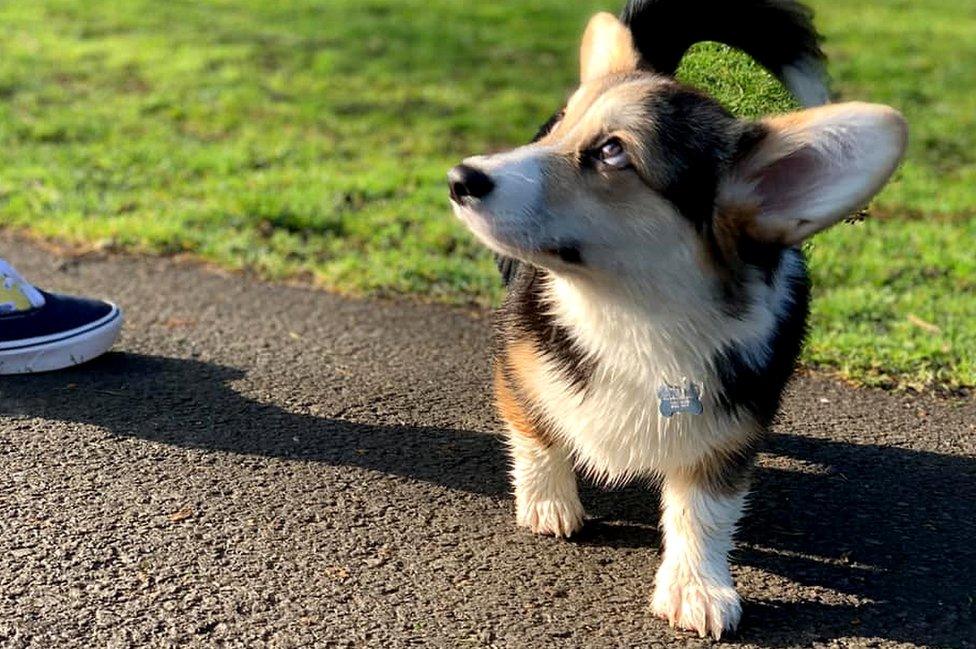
(680, 398)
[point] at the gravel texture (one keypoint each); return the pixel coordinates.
(263, 465)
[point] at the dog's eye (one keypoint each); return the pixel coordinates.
(612, 154)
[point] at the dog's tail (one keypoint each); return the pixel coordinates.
(779, 34)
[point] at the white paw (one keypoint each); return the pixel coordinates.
(550, 516)
(693, 603)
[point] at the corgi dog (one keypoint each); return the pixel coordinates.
(657, 293)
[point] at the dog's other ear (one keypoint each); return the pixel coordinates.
(607, 48)
(803, 172)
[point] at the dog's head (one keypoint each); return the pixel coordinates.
(642, 178)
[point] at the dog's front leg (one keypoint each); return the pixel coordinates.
(546, 498)
(693, 589)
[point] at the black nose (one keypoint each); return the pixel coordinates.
(468, 181)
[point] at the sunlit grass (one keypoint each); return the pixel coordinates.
(311, 139)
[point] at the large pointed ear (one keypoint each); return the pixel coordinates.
(607, 48)
(810, 169)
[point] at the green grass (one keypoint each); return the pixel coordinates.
(311, 139)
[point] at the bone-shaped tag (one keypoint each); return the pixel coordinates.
(680, 398)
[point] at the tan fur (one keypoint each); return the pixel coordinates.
(731, 225)
(793, 129)
(604, 107)
(608, 107)
(519, 360)
(546, 500)
(607, 48)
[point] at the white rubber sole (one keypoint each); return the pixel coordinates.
(56, 352)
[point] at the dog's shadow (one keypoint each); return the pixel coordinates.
(889, 526)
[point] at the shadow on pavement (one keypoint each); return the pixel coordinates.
(888, 525)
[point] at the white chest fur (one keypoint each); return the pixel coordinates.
(614, 426)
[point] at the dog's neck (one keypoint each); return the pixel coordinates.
(678, 329)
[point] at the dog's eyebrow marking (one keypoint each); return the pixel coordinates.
(611, 106)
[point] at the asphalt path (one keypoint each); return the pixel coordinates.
(265, 465)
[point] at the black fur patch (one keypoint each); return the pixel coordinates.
(507, 267)
(526, 314)
(730, 473)
(569, 254)
(759, 389)
(697, 143)
(549, 125)
(692, 135)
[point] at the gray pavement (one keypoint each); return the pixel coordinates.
(260, 465)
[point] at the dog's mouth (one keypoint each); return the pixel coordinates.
(477, 220)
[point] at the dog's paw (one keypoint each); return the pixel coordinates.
(695, 604)
(560, 517)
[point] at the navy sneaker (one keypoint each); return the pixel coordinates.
(42, 331)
